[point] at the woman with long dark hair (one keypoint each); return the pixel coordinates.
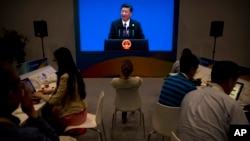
(68, 100)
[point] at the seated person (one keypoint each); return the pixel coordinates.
(68, 101)
(207, 113)
(176, 65)
(13, 93)
(177, 86)
(126, 81)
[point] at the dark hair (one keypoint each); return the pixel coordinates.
(127, 6)
(6, 54)
(127, 67)
(187, 62)
(9, 77)
(186, 51)
(9, 80)
(224, 70)
(66, 64)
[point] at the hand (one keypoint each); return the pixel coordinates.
(38, 94)
(27, 102)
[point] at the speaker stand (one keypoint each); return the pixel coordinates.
(43, 47)
(214, 46)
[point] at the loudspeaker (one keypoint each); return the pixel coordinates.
(216, 28)
(40, 28)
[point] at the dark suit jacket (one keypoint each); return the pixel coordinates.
(135, 30)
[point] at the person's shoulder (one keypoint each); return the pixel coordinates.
(137, 78)
(115, 80)
(176, 63)
(116, 21)
(64, 76)
(134, 21)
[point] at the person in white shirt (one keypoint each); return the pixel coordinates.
(126, 81)
(207, 113)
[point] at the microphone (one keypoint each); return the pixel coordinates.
(120, 31)
(133, 30)
(123, 31)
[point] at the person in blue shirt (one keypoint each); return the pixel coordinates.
(14, 93)
(177, 86)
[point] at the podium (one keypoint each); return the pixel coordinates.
(126, 45)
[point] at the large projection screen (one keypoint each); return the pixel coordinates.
(158, 18)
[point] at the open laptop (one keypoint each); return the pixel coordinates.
(29, 84)
(235, 93)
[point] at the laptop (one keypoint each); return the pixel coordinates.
(126, 45)
(235, 93)
(29, 84)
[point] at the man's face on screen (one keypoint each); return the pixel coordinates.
(125, 13)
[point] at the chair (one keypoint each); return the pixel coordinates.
(174, 137)
(93, 120)
(164, 120)
(127, 100)
(66, 138)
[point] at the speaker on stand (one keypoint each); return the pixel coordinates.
(216, 30)
(40, 28)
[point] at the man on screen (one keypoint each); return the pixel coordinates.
(125, 27)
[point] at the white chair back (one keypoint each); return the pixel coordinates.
(66, 138)
(165, 118)
(127, 100)
(174, 137)
(99, 108)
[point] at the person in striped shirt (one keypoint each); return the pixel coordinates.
(176, 87)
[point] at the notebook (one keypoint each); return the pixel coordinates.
(29, 84)
(235, 93)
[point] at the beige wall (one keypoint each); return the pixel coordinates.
(194, 26)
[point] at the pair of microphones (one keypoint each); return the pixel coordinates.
(129, 28)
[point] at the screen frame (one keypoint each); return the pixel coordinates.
(241, 85)
(30, 85)
(82, 56)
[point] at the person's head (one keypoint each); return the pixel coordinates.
(10, 88)
(189, 65)
(5, 51)
(126, 11)
(64, 60)
(66, 64)
(186, 51)
(225, 73)
(126, 68)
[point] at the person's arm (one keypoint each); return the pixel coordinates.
(113, 82)
(112, 32)
(139, 32)
(175, 67)
(42, 130)
(61, 90)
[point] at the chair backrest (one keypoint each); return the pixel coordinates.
(174, 137)
(165, 118)
(99, 108)
(127, 100)
(66, 138)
